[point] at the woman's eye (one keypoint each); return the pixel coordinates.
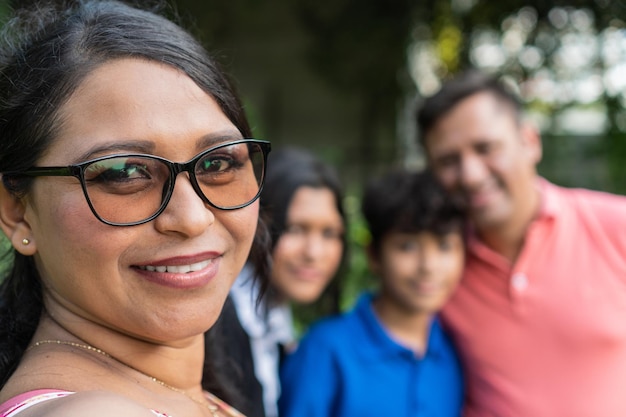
(216, 164)
(121, 172)
(332, 234)
(407, 246)
(294, 229)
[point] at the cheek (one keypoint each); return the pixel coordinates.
(240, 226)
(515, 172)
(287, 247)
(64, 217)
(403, 264)
(73, 244)
(453, 268)
(282, 277)
(284, 251)
(448, 177)
(333, 256)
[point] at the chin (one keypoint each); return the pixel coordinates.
(305, 299)
(487, 219)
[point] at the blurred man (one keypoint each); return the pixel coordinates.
(540, 314)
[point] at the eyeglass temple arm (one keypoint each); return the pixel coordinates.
(46, 172)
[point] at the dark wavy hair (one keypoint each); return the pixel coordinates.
(46, 51)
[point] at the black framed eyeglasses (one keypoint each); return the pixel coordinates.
(132, 189)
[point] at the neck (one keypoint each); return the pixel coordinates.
(408, 327)
(507, 243)
(179, 365)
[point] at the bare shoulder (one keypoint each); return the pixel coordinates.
(88, 403)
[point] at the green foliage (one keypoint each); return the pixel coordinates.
(358, 46)
(595, 162)
(357, 276)
(615, 151)
(448, 36)
(6, 256)
(4, 9)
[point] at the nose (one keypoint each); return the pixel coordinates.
(314, 246)
(185, 214)
(472, 171)
(427, 258)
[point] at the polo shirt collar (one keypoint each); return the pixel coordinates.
(384, 345)
(549, 205)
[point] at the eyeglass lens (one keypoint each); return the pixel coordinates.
(128, 189)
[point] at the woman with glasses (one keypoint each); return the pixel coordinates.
(129, 196)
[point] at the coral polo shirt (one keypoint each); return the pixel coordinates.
(546, 336)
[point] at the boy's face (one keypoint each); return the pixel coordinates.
(419, 271)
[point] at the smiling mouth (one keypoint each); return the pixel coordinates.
(177, 269)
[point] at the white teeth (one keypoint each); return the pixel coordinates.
(183, 269)
(177, 269)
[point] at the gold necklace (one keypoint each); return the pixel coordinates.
(212, 408)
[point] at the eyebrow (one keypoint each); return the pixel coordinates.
(214, 139)
(148, 147)
(140, 146)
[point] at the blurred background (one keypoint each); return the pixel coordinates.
(344, 78)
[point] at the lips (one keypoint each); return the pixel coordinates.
(182, 272)
(427, 286)
(308, 274)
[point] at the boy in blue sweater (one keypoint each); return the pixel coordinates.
(389, 356)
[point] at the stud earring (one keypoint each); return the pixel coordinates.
(25, 242)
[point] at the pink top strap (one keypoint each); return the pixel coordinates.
(23, 401)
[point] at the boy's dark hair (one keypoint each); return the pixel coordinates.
(454, 91)
(408, 202)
